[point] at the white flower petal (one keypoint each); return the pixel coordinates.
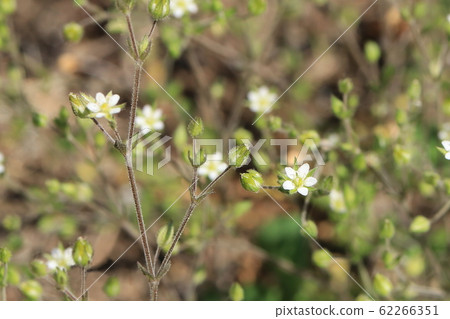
(303, 191)
(157, 113)
(2, 169)
(100, 115)
(113, 100)
(115, 110)
(447, 156)
(310, 181)
(446, 145)
(147, 111)
(100, 98)
(192, 8)
(93, 107)
(252, 96)
(290, 172)
(288, 185)
(303, 170)
(158, 126)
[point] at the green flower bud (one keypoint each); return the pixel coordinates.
(5, 255)
(31, 289)
(125, 5)
(310, 228)
(111, 287)
(78, 104)
(372, 51)
(345, 86)
(252, 180)
(61, 278)
(387, 229)
(401, 155)
(82, 252)
(39, 120)
(144, 48)
(382, 285)
(159, 9)
(165, 236)
(239, 156)
(73, 32)
(257, 7)
(420, 224)
(199, 160)
(415, 265)
(12, 222)
(236, 292)
(242, 134)
(389, 260)
(38, 268)
(338, 107)
(321, 258)
(195, 127)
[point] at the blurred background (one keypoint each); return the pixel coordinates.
(62, 180)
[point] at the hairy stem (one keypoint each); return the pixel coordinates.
(102, 129)
(5, 281)
(84, 292)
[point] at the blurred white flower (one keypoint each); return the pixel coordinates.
(446, 145)
(104, 106)
(261, 99)
(180, 7)
(2, 164)
(444, 133)
(149, 119)
(330, 143)
(213, 167)
(337, 201)
(298, 180)
(60, 258)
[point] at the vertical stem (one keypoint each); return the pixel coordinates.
(132, 36)
(5, 281)
(84, 292)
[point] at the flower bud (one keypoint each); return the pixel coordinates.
(199, 160)
(387, 229)
(420, 224)
(236, 292)
(382, 285)
(372, 51)
(78, 104)
(321, 258)
(159, 9)
(82, 252)
(73, 32)
(5, 255)
(338, 107)
(165, 236)
(31, 289)
(39, 120)
(125, 5)
(112, 287)
(239, 156)
(38, 268)
(257, 7)
(345, 86)
(389, 260)
(195, 127)
(251, 180)
(61, 278)
(310, 228)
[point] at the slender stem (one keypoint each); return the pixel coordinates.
(134, 103)
(270, 187)
(132, 36)
(208, 188)
(152, 30)
(178, 234)
(5, 281)
(69, 294)
(84, 292)
(441, 212)
(107, 135)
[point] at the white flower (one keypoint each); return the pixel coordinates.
(337, 201)
(444, 133)
(213, 166)
(446, 145)
(261, 99)
(180, 7)
(60, 258)
(149, 119)
(104, 106)
(298, 180)
(2, 164)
